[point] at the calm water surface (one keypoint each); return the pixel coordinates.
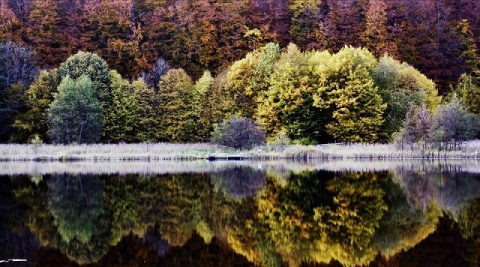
(198, 213)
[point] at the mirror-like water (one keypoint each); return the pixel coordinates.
(199, 213)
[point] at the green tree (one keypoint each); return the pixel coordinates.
(120, 116)
(216, 105)
(348, 88)
(176, 95)
(95, 68)
(468, 90)
(401, 86)
(75, 115)
(146, 123)
(201, 98)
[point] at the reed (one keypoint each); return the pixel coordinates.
(167, 151)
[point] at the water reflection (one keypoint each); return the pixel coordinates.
(262, 213)
(238, 182)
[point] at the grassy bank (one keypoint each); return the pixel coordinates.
(163, 151)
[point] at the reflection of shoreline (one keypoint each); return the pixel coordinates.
(203, 166)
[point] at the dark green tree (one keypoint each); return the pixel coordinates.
(75, 115)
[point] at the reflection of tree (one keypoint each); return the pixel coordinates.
(248, 236)
(469, 222)
(120, 196)
(82, 233)
(238, 182)
(448, 186)
(75, 202)
(403, 225)
(174, 203)
(16, 241)
(83, 226)
(317, 216)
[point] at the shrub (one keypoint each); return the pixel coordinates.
(239, 133)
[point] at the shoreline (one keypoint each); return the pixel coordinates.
(204, 151)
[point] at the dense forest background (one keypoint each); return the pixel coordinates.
(202, 40)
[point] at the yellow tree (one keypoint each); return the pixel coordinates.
(347, 87)
(248, 79)
(288, 104)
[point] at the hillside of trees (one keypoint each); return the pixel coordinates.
(315, 70)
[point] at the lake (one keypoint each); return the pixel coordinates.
(244, 213)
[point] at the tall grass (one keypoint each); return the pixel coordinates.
(108, 152)
(164, 151)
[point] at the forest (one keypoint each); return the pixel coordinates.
(316, 71)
